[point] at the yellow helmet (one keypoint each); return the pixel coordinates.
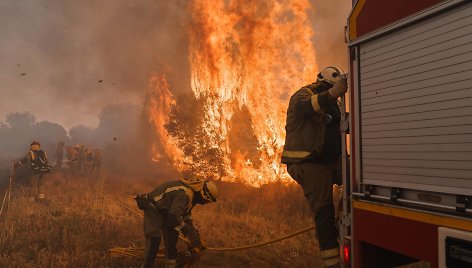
(35, 145)
(209, 191)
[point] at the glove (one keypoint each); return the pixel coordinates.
(198, 249)
(339, 88)
(194, 236)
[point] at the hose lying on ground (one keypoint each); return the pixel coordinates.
(138, 251)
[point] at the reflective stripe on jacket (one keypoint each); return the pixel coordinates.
(174, 197)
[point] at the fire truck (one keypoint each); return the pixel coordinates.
(408, 134)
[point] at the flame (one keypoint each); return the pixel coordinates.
(246, 58)
(159, 106)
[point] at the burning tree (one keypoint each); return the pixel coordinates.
(244, 61)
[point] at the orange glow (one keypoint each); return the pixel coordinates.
(158, 108)
(246, 59)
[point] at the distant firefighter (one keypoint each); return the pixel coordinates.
(39, 167)
(59, 154)
(71, 155)
(88, 160)
(79, 151)
(167, 211)
(97, 161)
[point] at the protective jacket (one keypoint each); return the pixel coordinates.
(306, 129)
(167, 211)
(173, 198)
(38, 161)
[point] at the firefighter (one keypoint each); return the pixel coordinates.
(312, 152)
(39, 167)
(79, 154)
(88, 160)
(96, 162)
(59, 154)
(167, 211)
(72, 161)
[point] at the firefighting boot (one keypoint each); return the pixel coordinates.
(188, 258)
(327, 235)
(170, 263)
(331, 258)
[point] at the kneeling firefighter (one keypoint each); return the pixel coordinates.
(167, 211)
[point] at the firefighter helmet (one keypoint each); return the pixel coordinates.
(330, 74)
(35, 145)
(78, 146)
(209, 192)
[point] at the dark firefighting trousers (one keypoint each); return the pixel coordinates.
(36, 187)
(154, 227)
(317, 181)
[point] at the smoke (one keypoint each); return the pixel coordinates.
(19, 129)
(123, 135)
(78, 56)
(328, 19)
(64, 60)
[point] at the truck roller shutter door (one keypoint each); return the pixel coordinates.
(416, 105)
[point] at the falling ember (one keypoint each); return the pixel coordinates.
(245, 60)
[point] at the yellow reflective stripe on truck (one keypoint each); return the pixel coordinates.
(353, 19)
(435, 219)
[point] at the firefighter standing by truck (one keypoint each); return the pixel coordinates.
(39, 167)
(312, 152)
(167, 211)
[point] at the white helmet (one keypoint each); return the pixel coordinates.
(330, 74)
(209, 192)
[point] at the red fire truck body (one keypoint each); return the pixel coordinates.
(408, 175)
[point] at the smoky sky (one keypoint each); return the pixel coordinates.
(64, 60)
(328, 18)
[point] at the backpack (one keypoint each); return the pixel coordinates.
(39, 161)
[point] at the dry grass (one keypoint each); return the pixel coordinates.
(82, 220)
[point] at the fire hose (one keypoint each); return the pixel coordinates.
(137, 251)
